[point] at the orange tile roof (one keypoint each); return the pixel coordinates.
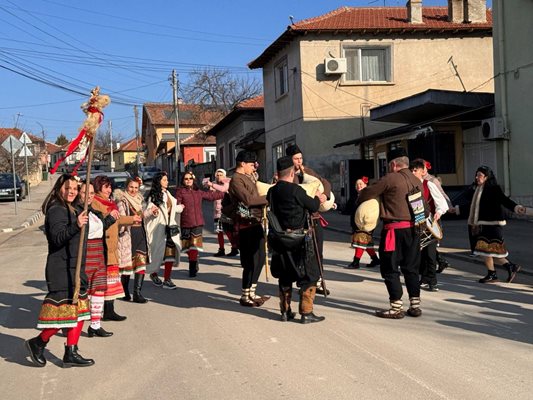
(130, 145)
(373, 20)
(191, 115)
(255, 102)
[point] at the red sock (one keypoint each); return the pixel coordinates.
(73, 334)
(47, 333)
(168, 270)
(193, 255)
(371, 252)
(220, 238)
(358, 252)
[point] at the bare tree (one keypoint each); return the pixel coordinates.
(219, 90)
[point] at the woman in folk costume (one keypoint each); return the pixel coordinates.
(132, 245)
(95, 265)
(62, 227)
(163, 246)
(105, 204)
(486, 221)
(222, 225)
(361, 239)
(192, 219)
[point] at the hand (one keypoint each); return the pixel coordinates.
(436, 217)
(115, 214)
(520, 209)
(179, 208)
(154, 211)
(137, 219)
(334, 206)
(83, 218)
(322, 197)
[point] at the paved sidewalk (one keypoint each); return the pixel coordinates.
(28, 210)
(518, 235)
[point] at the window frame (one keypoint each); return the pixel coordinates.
(281, 66)
(389, 76)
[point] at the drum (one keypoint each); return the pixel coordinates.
(432, 232)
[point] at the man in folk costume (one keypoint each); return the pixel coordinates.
(290, 203)
(319, 222)
(246, 211)
(437, 207)
(399, 247)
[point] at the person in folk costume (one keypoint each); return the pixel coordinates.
(132, 244)
(290, 203)
(245, 209)
(192, 219)
(437, 208)
(361, 240)
(62, 226)
(222, 225)
(486, 221)
(163, 248)
(399, 247)
(95, 264)
(300, 170)
(105, 204)
(442, 263)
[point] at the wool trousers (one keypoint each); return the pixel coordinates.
(252, 253)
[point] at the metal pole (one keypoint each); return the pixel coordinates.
(111, 144)
(27, 174)
(176, 124)
(13, 163)
(138, 158)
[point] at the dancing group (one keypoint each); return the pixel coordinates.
(127, 235)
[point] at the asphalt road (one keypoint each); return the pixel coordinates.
(472, 342)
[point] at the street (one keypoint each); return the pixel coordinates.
(472, 342)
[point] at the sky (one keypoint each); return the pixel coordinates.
(53, 52)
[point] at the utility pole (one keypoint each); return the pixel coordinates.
(44, 145)
(137, 140)
(175, 85)
(111, 163)
(17, 120)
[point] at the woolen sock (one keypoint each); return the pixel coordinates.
(168, 270)
(73, 334)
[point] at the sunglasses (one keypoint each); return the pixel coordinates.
(187, 179)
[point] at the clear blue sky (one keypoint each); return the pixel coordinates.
(129, 48)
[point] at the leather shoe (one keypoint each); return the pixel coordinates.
(310, 318)
(287, 316)
(414, 312)
(100, 332)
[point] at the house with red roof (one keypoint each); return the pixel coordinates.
(125, 155)
(322, 77)
(243, 128)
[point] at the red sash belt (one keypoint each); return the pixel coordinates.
(390, 239)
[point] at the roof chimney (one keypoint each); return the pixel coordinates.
(475, 11)
(414, 11)
(456, 11)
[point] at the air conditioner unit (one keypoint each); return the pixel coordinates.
(335, 66)
(492, 128)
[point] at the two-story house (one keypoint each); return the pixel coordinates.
(324, 74)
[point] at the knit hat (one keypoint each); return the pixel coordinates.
(396, 153)
(221, 170)
(246, 156)
(292, 150)
(284, 163)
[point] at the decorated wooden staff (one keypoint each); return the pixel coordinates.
(265, 234)
(85, 139)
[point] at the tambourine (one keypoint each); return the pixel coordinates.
(432, 232)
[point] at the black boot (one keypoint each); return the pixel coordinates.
(489, 278)
(193, 268)
(100, 332)
(73, 359)
(512, 270)
(221, 252)
(354, 264)
(375, 262)
(442, 263)
(36, 348)
(109, 312)
(137, 286)
(125, 280)
(310, 318)
(234, 252)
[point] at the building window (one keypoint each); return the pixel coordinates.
(367, 149)
(281, 77)
(277, 152)
(438, 149)
(221, 162)
(210, 154)
(232, 153)
(368, 64)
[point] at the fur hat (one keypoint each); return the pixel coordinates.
(396, 153)
(292, 150)
(246, 156)
(284, 163)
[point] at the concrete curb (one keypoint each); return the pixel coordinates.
(29, 222)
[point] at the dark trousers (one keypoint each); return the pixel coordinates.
(252, 252)
(428, 264)
(319, 232)
(406, 257)
(472, 238)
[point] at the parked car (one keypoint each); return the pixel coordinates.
(118, 179)
(6, 187)
(147, 173)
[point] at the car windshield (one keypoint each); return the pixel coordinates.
(8, 178)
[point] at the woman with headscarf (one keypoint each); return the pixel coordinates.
(162, 231)
(486, 221)
(62, 226)
(105, 205)
(132, 245)
(192, 219)
(223, 224)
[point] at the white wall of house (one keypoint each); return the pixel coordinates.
(513, 55)
(321, 110)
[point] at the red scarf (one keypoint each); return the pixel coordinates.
(111, 205)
